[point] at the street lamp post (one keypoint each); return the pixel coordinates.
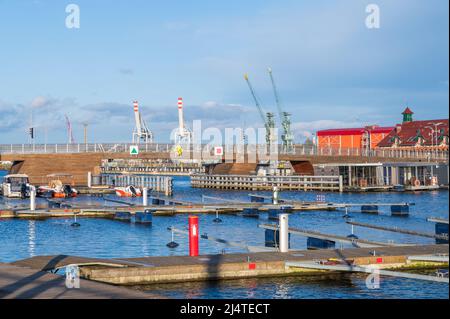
(434, 136)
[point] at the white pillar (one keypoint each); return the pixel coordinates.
(275, 195)
(32, 198)
(89, 179)
(284, 233)
(341, 183)
(145, 196)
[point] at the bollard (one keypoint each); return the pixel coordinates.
(275, 195)
(145, 196)
(32, 198)
(193, 236)
(284, 233)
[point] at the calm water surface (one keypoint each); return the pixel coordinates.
(110, 239)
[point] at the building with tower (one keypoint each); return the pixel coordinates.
(417, 135)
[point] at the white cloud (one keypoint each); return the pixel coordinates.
(307, 129)
(40, 101)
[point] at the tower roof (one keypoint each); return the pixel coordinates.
(408, 111)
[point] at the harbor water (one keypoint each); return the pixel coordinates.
(104, 238)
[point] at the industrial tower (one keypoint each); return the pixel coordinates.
(141, 133)
(183, 135)
(287, 137)
(268, 118)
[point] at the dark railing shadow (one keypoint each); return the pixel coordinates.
(9, 289)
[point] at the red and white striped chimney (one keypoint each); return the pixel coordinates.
(180, 115)
(137, 117)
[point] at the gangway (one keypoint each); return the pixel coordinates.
(369, 270)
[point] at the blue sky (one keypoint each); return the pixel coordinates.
(331, 70)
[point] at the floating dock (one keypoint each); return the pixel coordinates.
(148, 270)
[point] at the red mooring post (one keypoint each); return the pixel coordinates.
(193, 236)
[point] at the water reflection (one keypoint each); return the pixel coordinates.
(31, 238)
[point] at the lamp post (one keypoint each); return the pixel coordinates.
(434, 135)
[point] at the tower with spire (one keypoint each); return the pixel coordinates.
(407, 115)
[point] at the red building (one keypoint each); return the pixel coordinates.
(417, 135)
(363, 138)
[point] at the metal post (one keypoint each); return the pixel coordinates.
(341, 184)
(145, 196)
(284, 233)
(89, 179)
(32, 198)
(193, 236)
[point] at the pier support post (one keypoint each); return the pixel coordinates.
(341, 184)
(32, 198)
(193, 236)
(145, 196)
(284, 233)
(89, 179)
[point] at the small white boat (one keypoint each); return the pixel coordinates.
(129, 191)
(16, 186)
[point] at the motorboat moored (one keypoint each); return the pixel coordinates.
(16, 186)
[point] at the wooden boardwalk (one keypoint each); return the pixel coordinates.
(26, 283)
(146, 270)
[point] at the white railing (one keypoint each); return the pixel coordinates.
(255, 182)
(80, 148)
(305, 150)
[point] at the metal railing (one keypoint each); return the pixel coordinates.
(305, 150)
(255, 182)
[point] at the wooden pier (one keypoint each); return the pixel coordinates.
(254, 182)
(147, 270)
(156, 183)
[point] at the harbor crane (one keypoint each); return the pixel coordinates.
(287, 137)
(268, 118)
(141, 133)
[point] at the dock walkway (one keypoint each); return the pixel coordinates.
(146, 270)
(25, 283)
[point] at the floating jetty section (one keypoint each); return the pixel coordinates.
(167, 206)
(148, 270)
